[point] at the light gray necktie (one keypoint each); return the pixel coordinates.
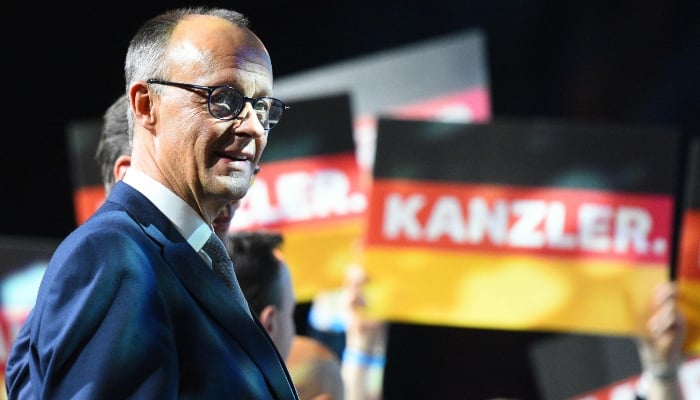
(222, 265)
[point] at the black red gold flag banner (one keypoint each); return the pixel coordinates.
(537, 225)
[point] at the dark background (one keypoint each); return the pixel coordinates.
(624, 61)
(631, 61)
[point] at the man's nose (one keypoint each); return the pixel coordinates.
(250, 122)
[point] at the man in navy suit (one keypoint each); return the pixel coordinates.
(129, 306)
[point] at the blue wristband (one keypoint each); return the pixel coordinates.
(363, 359)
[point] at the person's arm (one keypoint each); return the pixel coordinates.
(660, 347)
(364, 356)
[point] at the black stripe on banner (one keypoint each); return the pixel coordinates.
(530, 153)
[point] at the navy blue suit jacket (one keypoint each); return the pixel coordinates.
(127, 309)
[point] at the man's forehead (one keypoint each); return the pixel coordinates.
(216, 43)
(207, 31)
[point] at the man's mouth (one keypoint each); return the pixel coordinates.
(233, 157)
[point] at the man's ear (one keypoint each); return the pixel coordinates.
(267, 318)
(141, 104)
(120, 166)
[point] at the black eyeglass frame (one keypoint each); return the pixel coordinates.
(211, 89)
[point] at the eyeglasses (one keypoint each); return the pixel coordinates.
(225, 102)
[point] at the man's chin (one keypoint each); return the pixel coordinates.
(221, 226)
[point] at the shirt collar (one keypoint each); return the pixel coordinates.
(186, 220)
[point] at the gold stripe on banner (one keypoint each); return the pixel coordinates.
(690, 307)
(318, 254)
(488, 290)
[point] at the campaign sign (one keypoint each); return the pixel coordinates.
(540, 225)
(23, 261)
(310, 189)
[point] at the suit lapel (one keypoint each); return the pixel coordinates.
(208, 289)
(203, 285)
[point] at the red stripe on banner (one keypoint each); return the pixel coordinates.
(87, 200)
(544, 221)
(689, 250)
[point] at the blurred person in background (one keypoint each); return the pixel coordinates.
(267, 284)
